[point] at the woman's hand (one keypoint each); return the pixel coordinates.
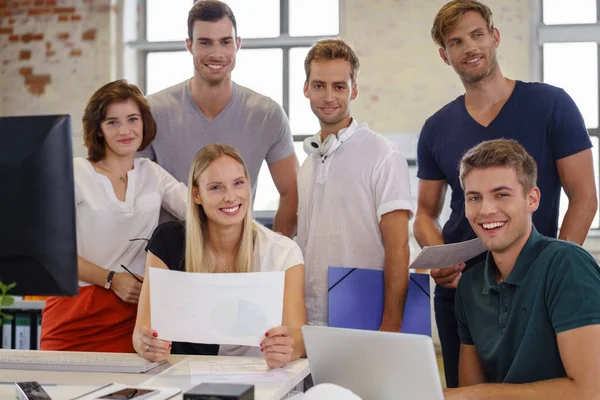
(126, 287)
(148, 345)
(277, 347)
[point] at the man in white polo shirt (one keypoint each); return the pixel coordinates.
(353, 190)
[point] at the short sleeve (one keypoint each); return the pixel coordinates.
(459, 310)
(168, 244)
(391, 186)
(572, 289)
(279, 127)
(293, 256)
(427, 167)
(566, 127)
(275, 252)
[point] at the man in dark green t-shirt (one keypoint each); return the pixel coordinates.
(529, 316)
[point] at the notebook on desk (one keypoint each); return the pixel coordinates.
(356, 300)
(75, 361)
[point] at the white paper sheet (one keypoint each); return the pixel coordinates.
(447, 255)
(234, 309)
(231, 370)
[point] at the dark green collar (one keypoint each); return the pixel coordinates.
(527, 256)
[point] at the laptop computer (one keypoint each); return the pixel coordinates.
(374, 365)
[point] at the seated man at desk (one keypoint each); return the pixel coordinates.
(529, 315)
(219, 236)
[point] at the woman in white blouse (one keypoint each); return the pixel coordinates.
(118, 200)
(219, 236)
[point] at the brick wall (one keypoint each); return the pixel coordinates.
(53, 55)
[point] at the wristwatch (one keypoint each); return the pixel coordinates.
(109, 280)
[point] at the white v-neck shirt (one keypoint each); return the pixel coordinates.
(106, 224)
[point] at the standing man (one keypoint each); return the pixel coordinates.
(543, 118)
(354, 195)
(211, 108)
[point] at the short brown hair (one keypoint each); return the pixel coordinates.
(95, 112)
(448, 16)
(501, 153)
(210, 11)
(332, 49)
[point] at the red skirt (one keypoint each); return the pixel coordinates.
(94, 320)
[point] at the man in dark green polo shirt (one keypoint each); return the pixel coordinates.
(529, 316)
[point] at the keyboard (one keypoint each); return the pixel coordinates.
(75, 361)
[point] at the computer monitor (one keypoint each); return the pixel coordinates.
(38, 243)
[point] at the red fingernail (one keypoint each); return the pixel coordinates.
(155, 334)
(170, 345)
(267, 334)
(261, 349)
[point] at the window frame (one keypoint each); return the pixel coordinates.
(137, 48)
(284, 41)
(566, 33)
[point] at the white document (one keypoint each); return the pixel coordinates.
(447, 255)
(235, 370)
(235, 309)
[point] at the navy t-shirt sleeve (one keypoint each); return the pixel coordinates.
(427, 167)
(566, 127)
(168, 244)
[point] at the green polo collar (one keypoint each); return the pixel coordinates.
(527, 256)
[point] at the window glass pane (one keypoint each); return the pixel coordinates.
(167, 69)
(256, 18)
(267, 197)
(564, 200)
(569, 12)
(302, 119)
(574, 67)
(260, 70)
(167, 20)
(314, 17)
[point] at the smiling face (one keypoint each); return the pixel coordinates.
(213, 48)
(497, 208)
(122, 128)
(330, 89)
(223, 191)
(470, 48)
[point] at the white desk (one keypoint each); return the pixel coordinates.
(163, 376)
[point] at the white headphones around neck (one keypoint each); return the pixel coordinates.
(315, 148)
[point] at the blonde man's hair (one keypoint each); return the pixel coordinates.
(332, 49)
(501, 153)
(448, 16)
(199, 257)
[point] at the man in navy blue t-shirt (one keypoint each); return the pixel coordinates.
(543, 118)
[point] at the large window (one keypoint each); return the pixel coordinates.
(276, 35)
(568, 38)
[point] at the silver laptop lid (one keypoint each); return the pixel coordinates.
(374, 365)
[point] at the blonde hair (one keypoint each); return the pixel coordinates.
(448, 16)
(332, 49)
(199, 257)
(501, 153)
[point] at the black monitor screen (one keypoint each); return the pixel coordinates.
(38, 243)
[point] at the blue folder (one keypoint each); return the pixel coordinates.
(356, 300)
